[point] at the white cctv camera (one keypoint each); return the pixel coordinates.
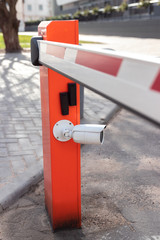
(64, 130)
(88, 133)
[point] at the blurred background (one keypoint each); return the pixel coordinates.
(126, 18)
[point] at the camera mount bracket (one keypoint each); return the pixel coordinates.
(62, 130)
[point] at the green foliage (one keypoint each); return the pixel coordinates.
(31, 23)
(59, 17)
(49, 18)
(123, 7)
(144, 4)
(95, 10)
(23, 39)
(67, 17)
(2, 45)
(108, 9)
(88, 42)
(77, 15)
(86, 13)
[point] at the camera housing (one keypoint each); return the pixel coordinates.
(64, 130)
(88, 133)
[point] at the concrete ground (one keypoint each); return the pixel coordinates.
(120, 179)
(120, 190)
(146, 46)
(21, 156)
(143, 46)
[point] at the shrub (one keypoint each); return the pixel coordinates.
(61, 17)
(123, 7)
(49, 18)
(67, 17)
(31, 23)
(144, 4)
(95, 11)
(78, 15)
(88, 15)
(108, 9)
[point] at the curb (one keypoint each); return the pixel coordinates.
(110, 114)
(113, 112)
(20, 185)
(23, 182)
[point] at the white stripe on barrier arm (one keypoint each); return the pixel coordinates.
(129, 80)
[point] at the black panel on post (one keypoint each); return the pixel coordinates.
(64, 103)
(72, 94)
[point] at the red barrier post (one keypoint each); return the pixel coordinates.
(61, 159)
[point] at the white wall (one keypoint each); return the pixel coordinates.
(20, 14)
(37, 9)
(62, 2)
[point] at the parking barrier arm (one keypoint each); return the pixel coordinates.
(132, 81)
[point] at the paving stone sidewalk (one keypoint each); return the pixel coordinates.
(21, 162)
(20, 125)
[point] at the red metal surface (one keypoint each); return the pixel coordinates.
(102, 63)
(56, 51)
(46, 139)
(61, 160)
(156, 84)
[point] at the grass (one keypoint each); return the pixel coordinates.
(2, 46)
(88, 42)
(25, 41)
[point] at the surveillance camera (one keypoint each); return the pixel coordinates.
(88, 133)
(64, 130)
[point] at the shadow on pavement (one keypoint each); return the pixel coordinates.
(120, 190)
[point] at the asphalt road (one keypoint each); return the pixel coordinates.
(138, 28)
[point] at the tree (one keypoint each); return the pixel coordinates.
(9, 25)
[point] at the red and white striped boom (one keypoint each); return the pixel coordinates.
(129, 80)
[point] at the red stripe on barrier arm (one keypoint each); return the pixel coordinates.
(56, 51)
(156, 84)
(106, 64)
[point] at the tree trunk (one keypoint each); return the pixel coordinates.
(10, 34)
